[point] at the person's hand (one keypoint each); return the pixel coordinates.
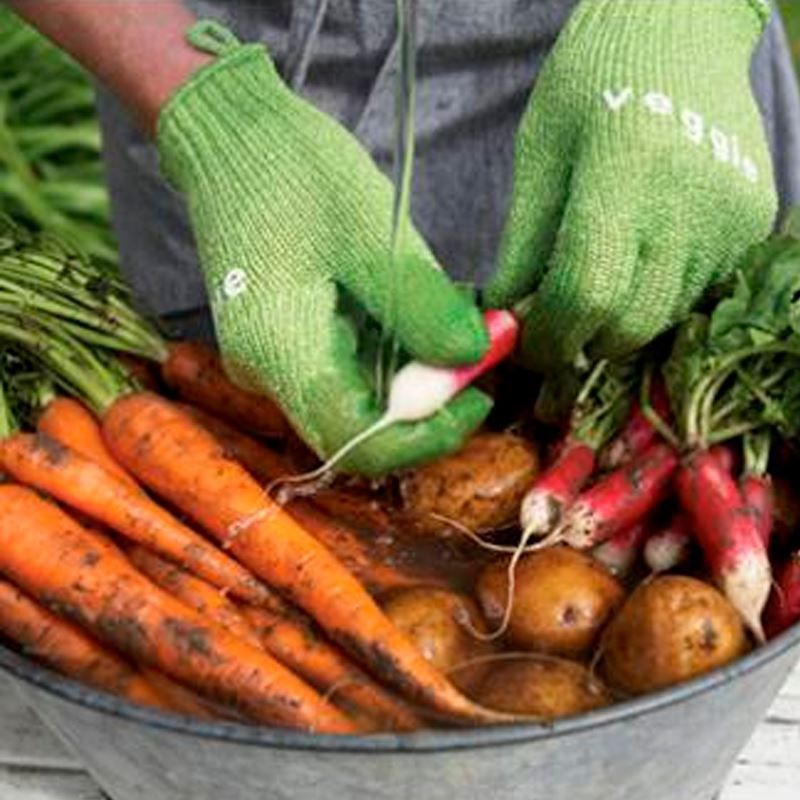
(292, 220)
(642, 175)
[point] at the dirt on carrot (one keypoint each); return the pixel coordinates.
(262, 462)
(283, 632)
(72, 424)
(67, 649)
(195, 371)
(194, 592)
(62, 565)
(293, 639)
(42, 462)
(176, 458)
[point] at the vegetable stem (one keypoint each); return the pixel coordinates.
(7, 422)
(697, 434)
(726, 434)
(651, 415)
(756, 452)
(71, 363)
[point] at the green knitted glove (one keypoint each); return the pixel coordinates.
(642, 175)
(293, 221)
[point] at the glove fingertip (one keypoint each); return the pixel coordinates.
(466, 413)
(472, 342)
(497, 295)
(453, 332)
(472, 405)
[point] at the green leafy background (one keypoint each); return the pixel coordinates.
(791, 14)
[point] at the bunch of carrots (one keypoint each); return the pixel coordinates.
(139, 550)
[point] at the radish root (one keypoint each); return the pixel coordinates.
(322, 475)
(517, 552)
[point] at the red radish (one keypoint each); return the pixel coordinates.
(556, 488)
(783, 609)
(620, 499)
(638, 433)
(620, 552)
(418, 390)
(670, 546)
(728, 535)
(760, 499)
(725, 457)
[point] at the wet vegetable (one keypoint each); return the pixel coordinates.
(441, 624)
(562, 600)
(544, 687)
(671, 629)
(481, 487)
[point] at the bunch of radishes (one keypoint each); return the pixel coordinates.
(695, 451)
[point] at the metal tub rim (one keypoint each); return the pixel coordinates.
(430, 741)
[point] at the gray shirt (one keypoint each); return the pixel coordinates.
(477, 62)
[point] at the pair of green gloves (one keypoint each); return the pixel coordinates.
(642, 175)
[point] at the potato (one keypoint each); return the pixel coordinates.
(481, 486)
(542, 686)
(562, 600)
(671, 629)
(438, 622)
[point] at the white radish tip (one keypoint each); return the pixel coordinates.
(748, 586)
(418, 391)
(662, 555)
(618, 562)
(539, 513)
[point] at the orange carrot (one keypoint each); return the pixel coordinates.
(39, 461)
(377, 576)
(67, 649)
(51, 557)
(181, 699)
(195, 371)
(266, 465)
(282, 632)
(73, 425)
(260, 461)
(296, 642)
(194, 592)
(163, 447)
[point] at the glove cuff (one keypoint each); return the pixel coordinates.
(207, 119)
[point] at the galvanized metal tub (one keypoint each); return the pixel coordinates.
(673, 745)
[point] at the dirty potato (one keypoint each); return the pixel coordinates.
(562, 600)
(480, 487)
(670, 630)
(542, 686)
(440, 623)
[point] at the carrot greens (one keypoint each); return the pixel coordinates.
(51, 172)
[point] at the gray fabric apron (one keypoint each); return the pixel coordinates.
(477, 62)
